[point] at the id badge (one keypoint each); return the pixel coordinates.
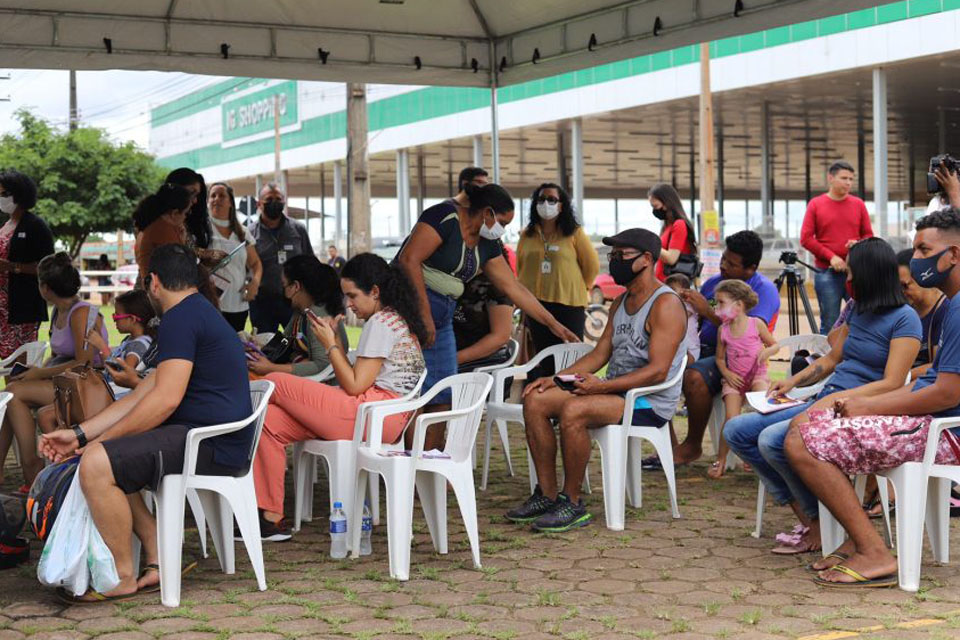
(281, 256)
(546, 267)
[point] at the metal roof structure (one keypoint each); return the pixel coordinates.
(479, 43)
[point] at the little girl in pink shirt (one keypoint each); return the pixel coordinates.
(741, 356)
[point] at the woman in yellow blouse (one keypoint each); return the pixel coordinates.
(557, 262)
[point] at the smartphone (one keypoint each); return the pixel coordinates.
(310, 312)
(18, 368)
(566, 382)
(114, 364)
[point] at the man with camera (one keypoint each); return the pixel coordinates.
(943, 181)
(835, 220)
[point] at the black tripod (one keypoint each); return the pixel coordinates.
(794, 279)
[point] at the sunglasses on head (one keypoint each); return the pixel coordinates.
(550, 199)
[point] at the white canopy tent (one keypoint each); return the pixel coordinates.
(424, 42)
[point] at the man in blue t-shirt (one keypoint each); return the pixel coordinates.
(201, 380)
(701, 382)
(883, 432)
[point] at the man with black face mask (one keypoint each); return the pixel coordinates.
(643, 345)
(278, 239)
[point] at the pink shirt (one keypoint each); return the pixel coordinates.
(742, 351)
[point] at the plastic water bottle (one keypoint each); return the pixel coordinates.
(338, 532)
(366, 529)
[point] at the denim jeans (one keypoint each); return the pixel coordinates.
(758, 439)
(831, 288)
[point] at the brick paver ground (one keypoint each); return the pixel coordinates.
(701, 576)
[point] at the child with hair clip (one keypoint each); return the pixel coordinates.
(743, 347)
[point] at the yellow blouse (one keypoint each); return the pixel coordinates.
(558, 269)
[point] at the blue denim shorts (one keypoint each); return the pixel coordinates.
(707, 368)
(441, 357)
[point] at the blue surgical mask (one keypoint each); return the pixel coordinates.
(924, 270)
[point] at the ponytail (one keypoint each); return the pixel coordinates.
(168, 197)
(490, 195)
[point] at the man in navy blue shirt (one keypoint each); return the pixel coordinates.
(201, 380)
(701, 381)
(867, 435)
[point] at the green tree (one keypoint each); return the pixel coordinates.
(86, 183)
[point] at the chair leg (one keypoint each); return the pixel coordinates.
(242, 502)
(343, 482)
(761, 503)
(909, 485)
(533, 471)
(467, 499)
(200, 518)
(937, 519)
(488, 430)
(832, 534)
(613, 468)
(374, 489)
(362, 478)
(634, 472)
(399, 521)
(432, 489)
(661, 442)
(300, 482)
(585, 485)
(883, 492)
(505, 443)
(221, 528)
(170, 508)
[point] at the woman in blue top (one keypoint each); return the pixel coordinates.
(451, 243)
(872, 355)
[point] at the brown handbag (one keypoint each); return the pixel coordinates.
(79, 394)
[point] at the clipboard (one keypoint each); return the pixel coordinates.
(227, 258)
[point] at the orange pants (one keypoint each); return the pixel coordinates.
(302, 409)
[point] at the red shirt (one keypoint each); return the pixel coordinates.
(830, 224)
(673, 236)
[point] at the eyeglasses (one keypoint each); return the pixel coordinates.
(624, 255)
(120, 316)
(550, 199)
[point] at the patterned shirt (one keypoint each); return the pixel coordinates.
(386, 335)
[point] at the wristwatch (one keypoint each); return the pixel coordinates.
(81, 436)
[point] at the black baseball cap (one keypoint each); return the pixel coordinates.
(640, 239)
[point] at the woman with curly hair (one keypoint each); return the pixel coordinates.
(388, 365)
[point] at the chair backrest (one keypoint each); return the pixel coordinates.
(469, 392)
(564, 355)
(32, 353)
(5, 397)
(260, 392)
(513, 348)
(812, 342)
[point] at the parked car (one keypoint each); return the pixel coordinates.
(128, 277)
(604, 289)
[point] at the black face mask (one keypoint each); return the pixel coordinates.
(660, 214)
(622, 271)
(273, 209)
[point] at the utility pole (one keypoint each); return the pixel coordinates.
(358, 184)
(706, 132)
(74, 116)
(277, 175)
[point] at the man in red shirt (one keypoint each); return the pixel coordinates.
(835, 220)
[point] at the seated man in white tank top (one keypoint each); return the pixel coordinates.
(643, 345)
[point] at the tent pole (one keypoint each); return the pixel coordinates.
(576, 160)
(494, 123)
(880, 151)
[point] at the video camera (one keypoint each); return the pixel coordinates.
(789, 257)
(950, 165)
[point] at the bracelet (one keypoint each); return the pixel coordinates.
(81, 436)
(331, 348)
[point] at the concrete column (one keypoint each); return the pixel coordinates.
(720, 185)
(337, 204)
(323, 208)
(576, 160)
(259, 187)
(766, 206)
(494, 134)
(880, 150)
(478, 151)
(358, 183)
(616, 215)
(421, 183)
(403, 191)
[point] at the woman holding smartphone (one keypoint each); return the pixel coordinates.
(312, 288)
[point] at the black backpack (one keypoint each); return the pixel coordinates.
(47, 494)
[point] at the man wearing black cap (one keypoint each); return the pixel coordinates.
(643, 345)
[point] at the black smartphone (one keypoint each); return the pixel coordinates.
(17, 369)
(114, 364)
(566, 382)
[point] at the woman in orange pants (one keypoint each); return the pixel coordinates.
(389, 363)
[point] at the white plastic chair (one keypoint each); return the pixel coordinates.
(620, 455)
(500, 411)
(401, 473)
(514, 348)
(33, 353)
(222, 498)
(341, 459)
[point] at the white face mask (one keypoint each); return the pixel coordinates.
(492, 233)
(548, 210)
(7, 205)
(220, 223)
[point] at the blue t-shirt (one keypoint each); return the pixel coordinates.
(867, 346)
(219, 389)
(767, 308)
(948, 355)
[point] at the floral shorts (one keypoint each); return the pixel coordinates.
(868, 444)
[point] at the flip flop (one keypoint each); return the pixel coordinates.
(839, 555)
(187, 568)
(95, 597)
(651, 463)
(860, 582)
(792, 543)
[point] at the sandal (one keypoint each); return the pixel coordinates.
(839, 555)
(187, 568)
(792, 543)
(859, 581)
(92, 597)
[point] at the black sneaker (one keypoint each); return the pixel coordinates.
(564, 515)
(534, 507)
(269, 531)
